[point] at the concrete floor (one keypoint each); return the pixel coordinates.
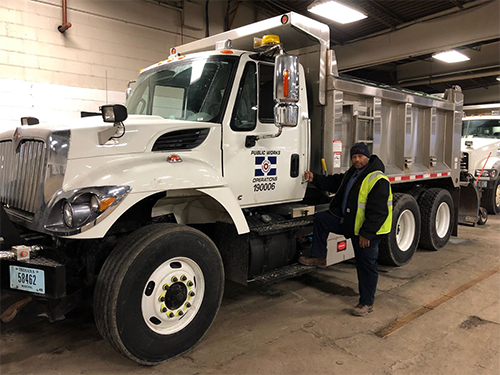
(303, 325)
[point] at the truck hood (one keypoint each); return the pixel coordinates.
(482, 144)
(141, 132)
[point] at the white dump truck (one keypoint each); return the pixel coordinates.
(199, 178)
(481, 152)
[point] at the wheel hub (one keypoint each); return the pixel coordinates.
(405, 230)
(173, 295)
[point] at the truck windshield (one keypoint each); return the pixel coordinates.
(483, 128)
(191, 89)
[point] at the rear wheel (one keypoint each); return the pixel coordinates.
(491, 199)
(398, 247)
(158, 292)
(436, 208)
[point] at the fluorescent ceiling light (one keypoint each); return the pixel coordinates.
(498, 78)
(451, 56)
(335, 11)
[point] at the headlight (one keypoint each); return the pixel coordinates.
(487, 173)
(84, 207)
(68, 214)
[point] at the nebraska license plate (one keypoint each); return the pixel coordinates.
(28, 279)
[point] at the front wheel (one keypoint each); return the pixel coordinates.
(158, 292)
(398, 247)
(491, 199)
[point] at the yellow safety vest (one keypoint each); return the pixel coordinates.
(366, 186)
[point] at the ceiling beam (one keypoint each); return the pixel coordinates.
(486, 58)
(395, 18)
(437, 34)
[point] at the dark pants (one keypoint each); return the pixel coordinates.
(366, 259)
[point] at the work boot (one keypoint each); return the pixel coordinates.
(318, 262)
(362, 310)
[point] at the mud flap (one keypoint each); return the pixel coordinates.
(469, 204)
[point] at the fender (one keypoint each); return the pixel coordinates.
(225, 196)
(148, 174)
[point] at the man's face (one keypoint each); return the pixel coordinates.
(359, 161)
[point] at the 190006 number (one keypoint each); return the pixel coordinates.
(264, 186)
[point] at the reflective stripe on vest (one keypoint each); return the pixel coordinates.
(366, 186)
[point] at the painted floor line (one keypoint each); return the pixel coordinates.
(429, 306)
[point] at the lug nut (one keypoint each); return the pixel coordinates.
(165, 286)
(190, 283)
(188, 305)
(163, 309)
(183, 278)
(162, 298)
(174, 279)
(191, 294)
(171, 315)
(180, 313)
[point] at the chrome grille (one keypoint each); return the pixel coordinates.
(21, 174)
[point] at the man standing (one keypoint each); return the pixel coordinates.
(361, 210)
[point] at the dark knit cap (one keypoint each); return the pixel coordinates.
(360, 148)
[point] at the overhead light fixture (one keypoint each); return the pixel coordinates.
(335, 11)
(451, 56)
(498, 78)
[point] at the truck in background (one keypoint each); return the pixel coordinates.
(200, 178)
(481, 152)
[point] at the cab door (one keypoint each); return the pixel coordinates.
(269, 171)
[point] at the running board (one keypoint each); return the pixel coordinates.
(283, 273)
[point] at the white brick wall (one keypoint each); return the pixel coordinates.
(50, 75)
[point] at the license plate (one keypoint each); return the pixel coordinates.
(28, 279)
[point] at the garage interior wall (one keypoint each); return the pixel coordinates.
(55, 76)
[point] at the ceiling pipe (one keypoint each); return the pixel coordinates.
(65, 24)
(431, 80)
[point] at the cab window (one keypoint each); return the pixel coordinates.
(245, 112)
(266, 101)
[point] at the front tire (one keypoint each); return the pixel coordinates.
(398, 247)
(436, 208)
(491, 199)
(158, 292)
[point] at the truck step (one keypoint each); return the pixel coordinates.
(281, 226)
(283, 273)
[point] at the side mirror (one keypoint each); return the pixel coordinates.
(286, 90)
(114, 113)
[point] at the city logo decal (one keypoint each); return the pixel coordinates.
(265, 166)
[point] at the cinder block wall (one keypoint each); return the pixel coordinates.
(54, 76)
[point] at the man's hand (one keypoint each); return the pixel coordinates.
(308, 176)
(363, 242)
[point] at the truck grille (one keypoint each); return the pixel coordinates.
(21, 174)
(464, 162)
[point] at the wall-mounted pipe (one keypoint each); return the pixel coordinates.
(65, 24)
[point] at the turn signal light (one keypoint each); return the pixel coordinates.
(286, 81)
(174, 159)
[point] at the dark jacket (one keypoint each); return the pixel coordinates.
(376, 210)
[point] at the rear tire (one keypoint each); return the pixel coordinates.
(491, 199)
(398, 247)
(436, 208)
(158, 292)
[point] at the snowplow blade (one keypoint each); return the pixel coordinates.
(469, 204)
